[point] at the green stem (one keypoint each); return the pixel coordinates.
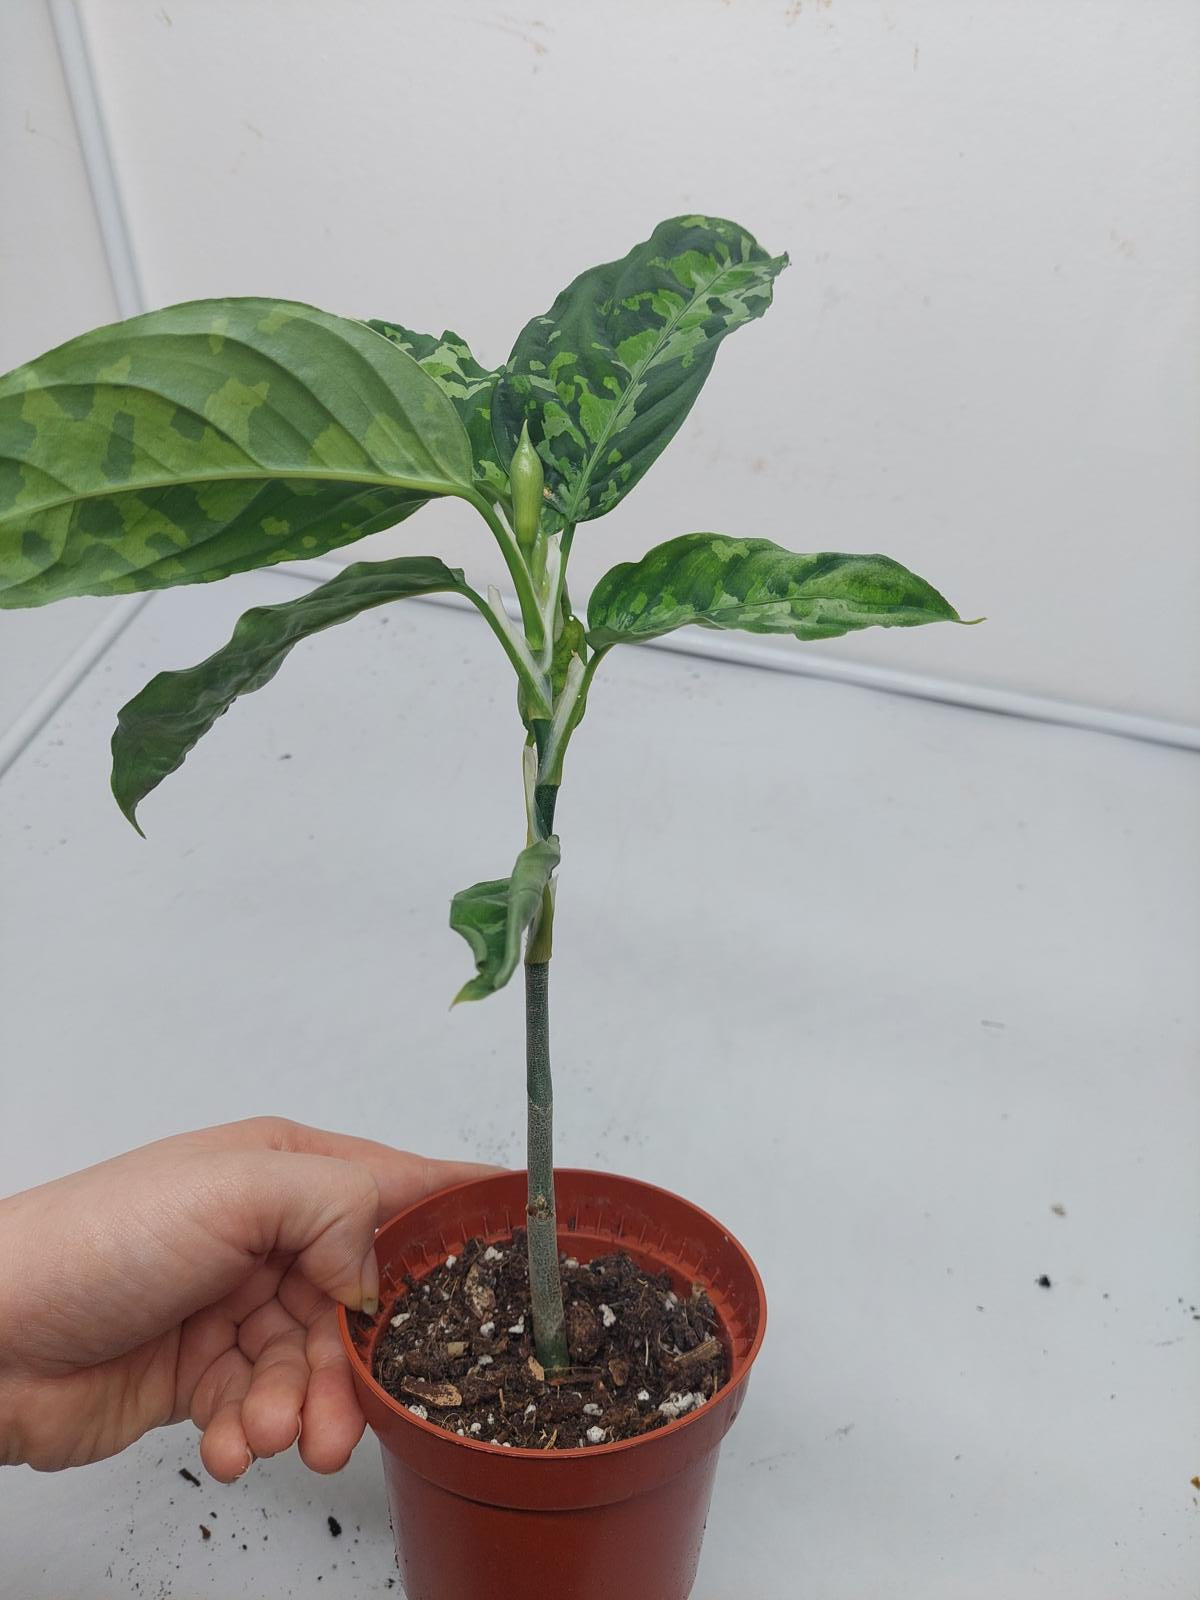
(545, 1284)
(537, 690)
(553, 747)
(518, 570)
(566, 539)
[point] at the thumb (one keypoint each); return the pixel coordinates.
(319, 1208)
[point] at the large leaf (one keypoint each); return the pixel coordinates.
(606, 377)
(492, 917)
(449, 361)
(210, 438)
(160, 725)
(718, 582)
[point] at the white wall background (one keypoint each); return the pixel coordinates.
(981, 362)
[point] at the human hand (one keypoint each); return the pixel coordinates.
(197, 1277)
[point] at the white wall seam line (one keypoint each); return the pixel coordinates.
(79, 73)
(20, 733)
(96, 150)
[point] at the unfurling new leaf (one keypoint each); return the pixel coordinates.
(212, 438)
(160, 725)
(527, 478)
(607, 376)
(752, 584)
(493, 917)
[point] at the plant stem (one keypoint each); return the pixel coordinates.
(545, 1284)
(517, 650)
(514, 560)
(552, 745)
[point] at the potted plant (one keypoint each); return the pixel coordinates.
(558, 1356)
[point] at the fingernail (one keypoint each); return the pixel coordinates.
(369, 1285)
(250, 1460)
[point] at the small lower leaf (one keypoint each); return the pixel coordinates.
(752, 584)
(492, 917)
(160, 725)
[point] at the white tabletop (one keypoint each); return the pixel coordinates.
(881, 983)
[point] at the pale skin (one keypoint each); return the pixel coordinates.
(197, 1277)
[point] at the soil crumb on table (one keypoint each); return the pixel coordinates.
(457, 1348)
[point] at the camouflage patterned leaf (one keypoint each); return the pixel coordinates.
(492, 917)
(450, 362)
(159, 726)
(210, 438)
(607, 376)
(718, 582)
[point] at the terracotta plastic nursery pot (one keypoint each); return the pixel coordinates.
(609, 1522)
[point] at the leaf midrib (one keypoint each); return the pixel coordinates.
(276, 475)
(781, 600)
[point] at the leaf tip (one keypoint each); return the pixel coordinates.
(467, 993)
(127, 806)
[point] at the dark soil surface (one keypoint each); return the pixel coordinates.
(457, 1349)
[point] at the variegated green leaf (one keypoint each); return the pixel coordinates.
(752, 584)
(492, 917)
(469, 386)
(159, 726)
(210, 438)
(606, 377)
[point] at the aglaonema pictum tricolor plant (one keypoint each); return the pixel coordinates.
(218, 436)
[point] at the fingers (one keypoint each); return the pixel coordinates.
(217, 1410)
(285, 1380)
(208, 1334)
(334, 1230)
(402, 1178)
(274, 1342)
(260, 1205)
(332, 1421)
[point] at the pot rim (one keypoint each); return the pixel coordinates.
(738, 1376)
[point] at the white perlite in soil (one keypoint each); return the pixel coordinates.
(678, 1405)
